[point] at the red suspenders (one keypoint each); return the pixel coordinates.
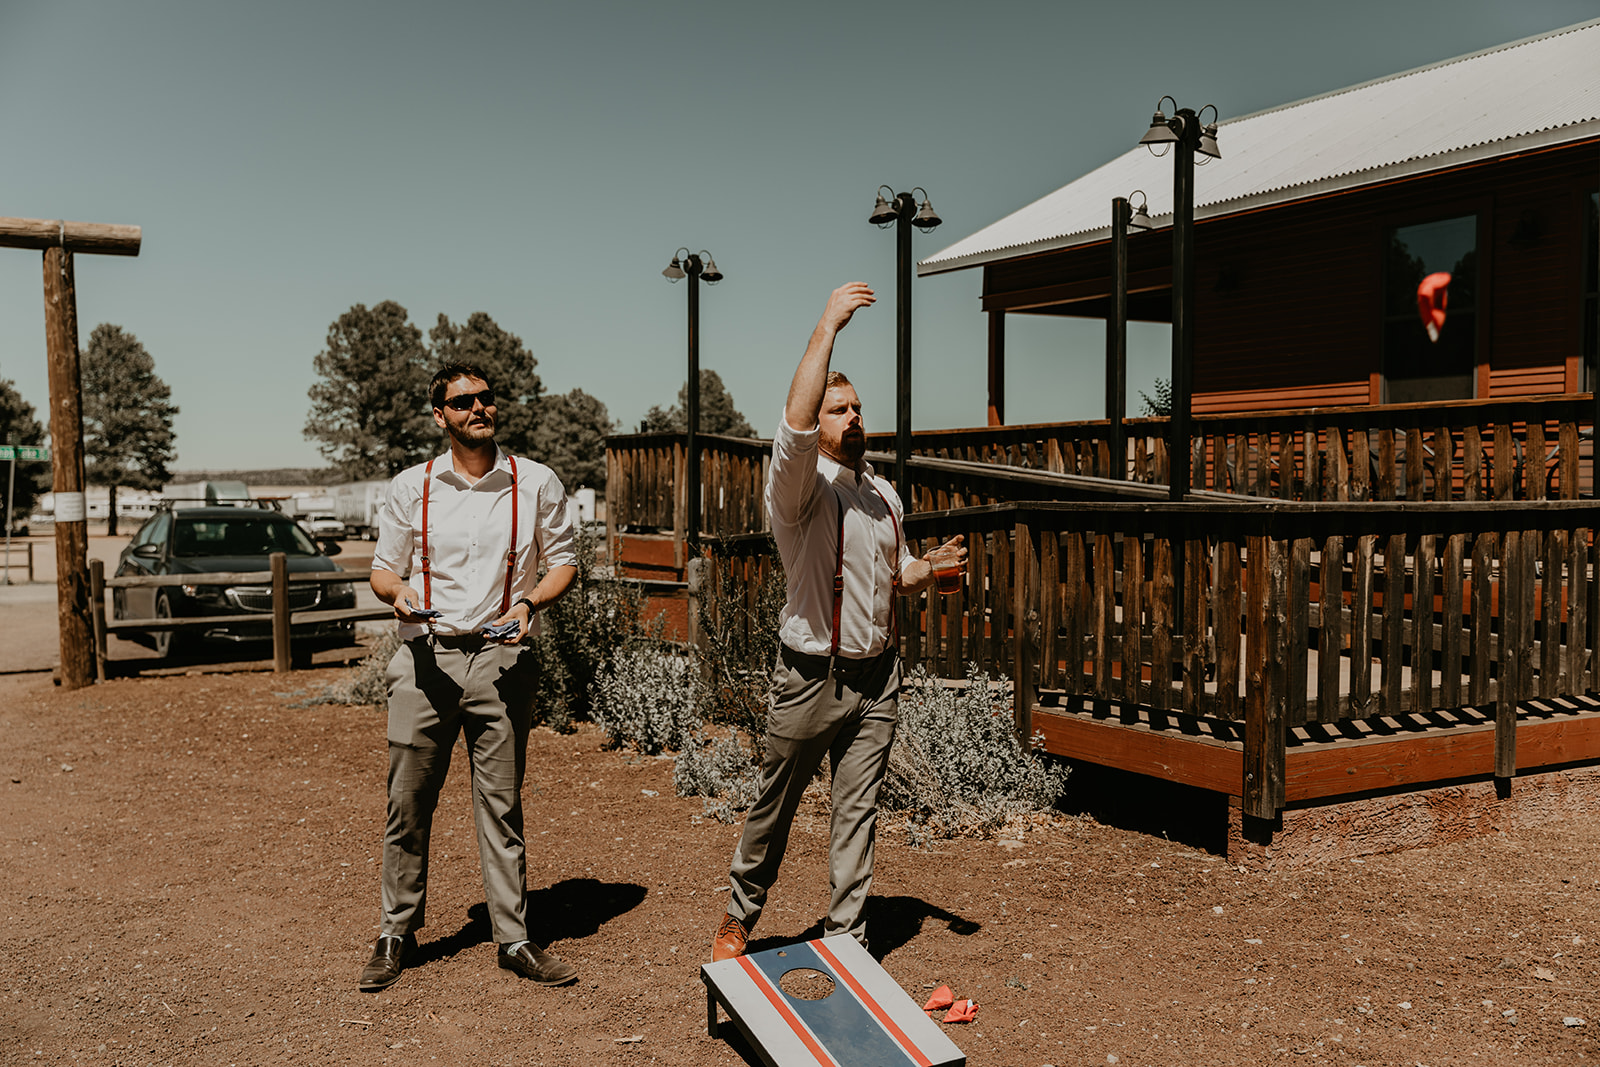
(511, 553)
(838, 573)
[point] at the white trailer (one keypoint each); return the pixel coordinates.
(356, 505)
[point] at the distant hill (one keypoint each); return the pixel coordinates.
(274, 476)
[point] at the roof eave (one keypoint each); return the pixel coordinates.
(1574, 133)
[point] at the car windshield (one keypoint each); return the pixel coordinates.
(244, 536)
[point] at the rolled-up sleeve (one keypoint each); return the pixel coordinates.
(556, 545)
(792, 478)
(396, 536)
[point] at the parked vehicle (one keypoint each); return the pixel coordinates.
(199, 540)
(356, 505)
(323, 526)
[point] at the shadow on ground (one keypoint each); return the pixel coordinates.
(891, 923)
(1181, 813)
(574, 908)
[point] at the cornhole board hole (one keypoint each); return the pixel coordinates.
(865, 1021)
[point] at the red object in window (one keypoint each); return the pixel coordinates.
(1432, 296)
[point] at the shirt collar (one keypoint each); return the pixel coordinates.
(445, 465)
(833, 470)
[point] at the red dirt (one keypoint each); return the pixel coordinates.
(192, 878)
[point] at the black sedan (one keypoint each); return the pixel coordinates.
(227, 539)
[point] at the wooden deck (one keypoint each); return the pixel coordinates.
(1324, 761)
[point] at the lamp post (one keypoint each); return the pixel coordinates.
(1125, 220)
(903, 212)
(1184, 132)
(686, 264)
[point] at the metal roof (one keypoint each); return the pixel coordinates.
(1528, 94)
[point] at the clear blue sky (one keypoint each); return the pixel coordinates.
(541, 162)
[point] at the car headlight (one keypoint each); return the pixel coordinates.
(203, 592)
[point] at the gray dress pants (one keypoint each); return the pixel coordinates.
(438, 688)
(848, 715)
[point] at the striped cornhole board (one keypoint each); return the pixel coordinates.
(866, 1021)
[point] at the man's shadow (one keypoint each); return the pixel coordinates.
(891, 923)
(574, 908)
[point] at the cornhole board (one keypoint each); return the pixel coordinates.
(866, 1021)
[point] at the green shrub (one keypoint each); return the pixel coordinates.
(957, 766)
(580, 636)
(722, 769)
(648, 699)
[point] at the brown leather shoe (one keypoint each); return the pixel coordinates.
(730, 940)
(388, 960)
(537, 965)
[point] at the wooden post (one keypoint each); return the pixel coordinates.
(997, 368)
(280, 612)
(66, 440)
(97, 600)
(60, 239)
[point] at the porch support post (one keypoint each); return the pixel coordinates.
(997, 368)
(1117, 339)
(1182, 301)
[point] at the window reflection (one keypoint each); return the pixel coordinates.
(1430, 311)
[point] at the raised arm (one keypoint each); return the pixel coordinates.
(811, 377)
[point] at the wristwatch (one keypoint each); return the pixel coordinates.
(525, 600)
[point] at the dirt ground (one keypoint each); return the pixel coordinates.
(191, 877)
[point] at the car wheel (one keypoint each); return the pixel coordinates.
(168, 643)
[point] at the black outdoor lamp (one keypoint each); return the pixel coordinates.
(697, 268)
(902, 211)
(1195, 144)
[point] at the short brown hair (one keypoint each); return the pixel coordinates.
(449, 373)
(835, 377)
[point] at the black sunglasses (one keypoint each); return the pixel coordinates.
(465, 401)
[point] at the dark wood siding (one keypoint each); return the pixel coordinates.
(1289, 301)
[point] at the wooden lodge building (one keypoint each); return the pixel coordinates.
(1315, 227)
(1380, 582)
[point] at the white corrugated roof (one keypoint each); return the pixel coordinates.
(1529, 94)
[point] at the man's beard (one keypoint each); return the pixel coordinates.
(472, 436)
(852, 446)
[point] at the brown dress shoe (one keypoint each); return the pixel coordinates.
(537, 965)
(730, 940)
(388, 960)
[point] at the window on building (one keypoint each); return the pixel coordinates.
(1430, 311)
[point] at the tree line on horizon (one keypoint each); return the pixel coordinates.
(127, 423)
(372, 418)
(370, 413)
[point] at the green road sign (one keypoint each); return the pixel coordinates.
(40, 452)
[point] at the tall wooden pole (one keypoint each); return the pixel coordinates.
(66, 439)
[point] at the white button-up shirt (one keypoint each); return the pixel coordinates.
(804, 491)
(469, 533)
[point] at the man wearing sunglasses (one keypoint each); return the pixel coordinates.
(460, 539)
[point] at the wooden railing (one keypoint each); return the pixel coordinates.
(1273, 615)
(645, 479)
(1523, 449)
(281, 618)
(1433, 451)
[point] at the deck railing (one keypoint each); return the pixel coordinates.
(1433, 451)
(1271, 615)
(1523, 449)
